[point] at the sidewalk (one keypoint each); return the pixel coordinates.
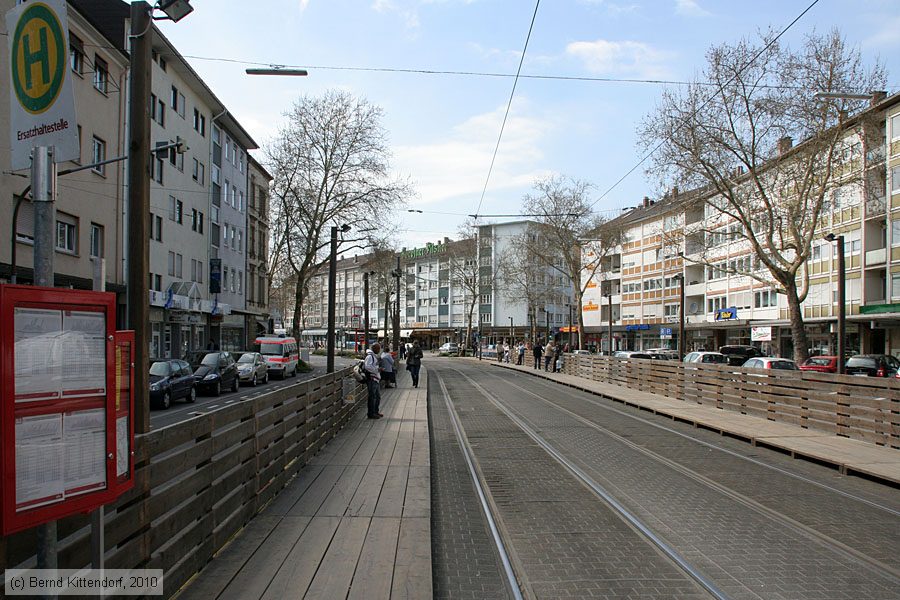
(850, 456)
(354, 523)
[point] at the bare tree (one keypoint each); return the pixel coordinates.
(331, 164)
(524, 277)
(465, 276)
(730, 134)
(570, 239)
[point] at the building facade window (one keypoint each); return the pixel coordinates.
(76, 54)
(96, 240)
(177, 101)
(101, 74)
(199, 172)
(98, 155)
(66, 233)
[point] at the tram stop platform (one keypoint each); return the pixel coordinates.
(354, 523)
(847, 455)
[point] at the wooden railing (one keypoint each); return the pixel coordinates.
(861, 408)
(199, 481)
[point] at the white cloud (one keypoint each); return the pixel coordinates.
(303, 5)
(887, 34)
(620, 58)
(690, 8)
(455, 168)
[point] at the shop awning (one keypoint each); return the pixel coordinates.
(404, 333)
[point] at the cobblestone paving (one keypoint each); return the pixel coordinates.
(464, 562)
(747, 552)
(567, 543)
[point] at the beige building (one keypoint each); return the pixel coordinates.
(257, 250)
(89, 204)
(641, 291)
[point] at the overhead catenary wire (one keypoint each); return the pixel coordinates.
(508, 106)
(702, 105)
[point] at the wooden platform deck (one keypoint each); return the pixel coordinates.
(354, 523)
(850, 456)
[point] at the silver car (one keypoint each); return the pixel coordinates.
(252, 368)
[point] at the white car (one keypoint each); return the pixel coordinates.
(449, 347)
(580, 352)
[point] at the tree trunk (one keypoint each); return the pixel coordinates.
(798, 330)
(299, 299)
(579, 299)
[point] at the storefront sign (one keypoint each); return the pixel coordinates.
(590, 306)
(665, 333)
(760, 334)
(428, 250)
(727, 314)
(641, 327)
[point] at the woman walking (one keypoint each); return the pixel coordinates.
(414, 362)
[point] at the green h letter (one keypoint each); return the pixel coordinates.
(42, 56)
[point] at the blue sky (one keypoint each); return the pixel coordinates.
(443, 129)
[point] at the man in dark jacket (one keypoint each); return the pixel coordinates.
(538, 352)
(414, 362)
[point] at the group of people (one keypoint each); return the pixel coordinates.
(380, 366)
(552, 355)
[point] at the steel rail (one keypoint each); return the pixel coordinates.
(553, 384)
(769, 513)
(512, 581)
(600, 491)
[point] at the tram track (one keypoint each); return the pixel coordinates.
(714, 556)
(487, 486)
(810, 533)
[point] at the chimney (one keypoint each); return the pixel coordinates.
(446, 240)
(674, 191)
(877, 97)
(355, 258)
(646, 202)
(784, 144)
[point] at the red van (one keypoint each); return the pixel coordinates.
(281, 354)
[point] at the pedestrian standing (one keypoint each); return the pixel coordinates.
(388, 374)
(414, 362)
(537, 351)
(548, 356)
(506, 353)
(557, 358)
(521, 353)
(374, 381)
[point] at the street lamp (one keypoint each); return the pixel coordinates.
(332, 284)
(366, 309)
(681, 346)
(571, 341)
(175, 10)
(842, 303)
(610, 320)
(276, 70)
(397, 274)
(511, 335)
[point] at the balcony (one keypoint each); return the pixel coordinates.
(876, 257)
(875, 207)
(695, 288)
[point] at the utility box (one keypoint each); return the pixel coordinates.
(66, 404)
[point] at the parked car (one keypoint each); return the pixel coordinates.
(872, 365)
(214, 371)
(252, 368)
(768, 362)
(632, 354)
(449, 347)
(281, 354)
(822, 364)
(716, 358)
(737, 355)
(663, 353)
(171, 379)
(580, 352)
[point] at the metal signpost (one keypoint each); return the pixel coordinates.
(43, 132)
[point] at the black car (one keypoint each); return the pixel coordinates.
(214, 371)
(872, 365)
(738, 355)
(171, 379)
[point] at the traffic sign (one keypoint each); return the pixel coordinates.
(42, 107)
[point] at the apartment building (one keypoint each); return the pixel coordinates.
(89, 203)
(501, 314)
(257, 286)
(725, 306)
(228, 231)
